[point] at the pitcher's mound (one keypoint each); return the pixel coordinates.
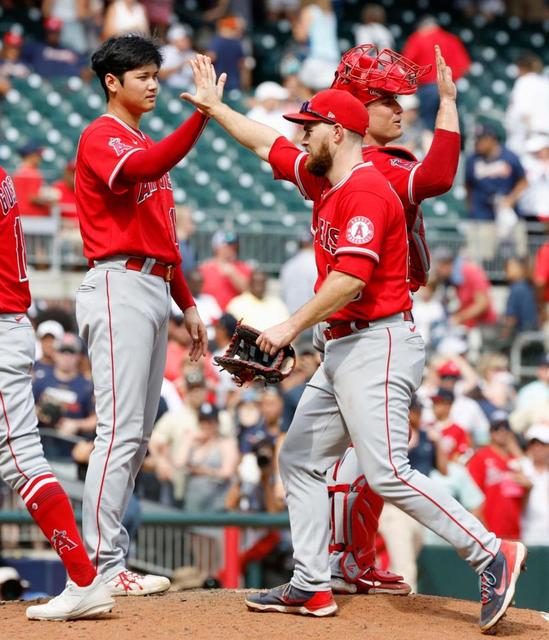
(222, 615)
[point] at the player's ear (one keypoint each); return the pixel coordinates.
(112, 82)
(338, 133)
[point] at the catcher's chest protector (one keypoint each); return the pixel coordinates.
(355, 511)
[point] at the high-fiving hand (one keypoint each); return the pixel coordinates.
(209, 88)
(446, 87)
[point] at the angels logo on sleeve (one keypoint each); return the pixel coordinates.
(118, 146)
(360, 230)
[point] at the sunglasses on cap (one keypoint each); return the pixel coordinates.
(305, 108)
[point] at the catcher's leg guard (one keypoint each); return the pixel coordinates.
(355, 513)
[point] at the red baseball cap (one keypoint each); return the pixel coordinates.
(449, 369)
(53, 24)
(334, 107)
(13, 39)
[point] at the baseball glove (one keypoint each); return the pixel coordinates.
(246, 362)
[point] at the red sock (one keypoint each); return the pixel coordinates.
(49, 505)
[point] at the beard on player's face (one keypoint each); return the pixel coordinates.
(320, 160)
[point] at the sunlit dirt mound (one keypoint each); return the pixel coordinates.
(221, 615)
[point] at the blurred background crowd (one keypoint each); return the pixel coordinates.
(480, 421)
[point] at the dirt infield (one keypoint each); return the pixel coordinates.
(221, 615)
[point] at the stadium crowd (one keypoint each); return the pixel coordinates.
(474, 426)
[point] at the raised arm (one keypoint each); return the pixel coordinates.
(447, 116)
(255, 136)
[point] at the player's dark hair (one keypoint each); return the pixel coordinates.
(124, 53)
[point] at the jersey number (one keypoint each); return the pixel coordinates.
(20, 250)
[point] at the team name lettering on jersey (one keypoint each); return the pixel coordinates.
(118, 146)
(327, 236)
(7, 195)
(146, 189)
(360, 230)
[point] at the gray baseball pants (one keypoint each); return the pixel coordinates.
(361, 393)
(123, 317)
(21, 453)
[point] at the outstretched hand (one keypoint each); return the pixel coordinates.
(209, 88)
(446, 87)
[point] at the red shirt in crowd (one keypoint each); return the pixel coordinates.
(118, 219)
(218, 284)
(14, 293)
(473, 281)
(420, 48)
(28, 181)
(359, 218)
(541, 270)
(503, 505)
(67, 200)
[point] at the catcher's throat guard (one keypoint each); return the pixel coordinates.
(246, 362)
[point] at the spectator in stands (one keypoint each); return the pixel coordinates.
(210, 461)
(48, 333)
(269, 107)
(225, 276)
(529, 10)
(64, 398)
(175, 428)
(50, 59)
(256, 307)
(160, 14)
(373, 30)
(526, 114)
(207, 306)
(471, 286)
(541, 280)
(227, 52)
(125, 16)
(495, 382)
(496, 469)
(521, 313)
(308, 360)
(535, 517)
(66, 200)
(316, 28)
(297, 291)
(223, 331)
(495, 180)
(73, 15)
(454, 439)
(176, 70)
(429, 314)
(185, 229)
(535, 200)
(282, 9)
(29, 183)
(537, 391)
(11, 65)
(420, 48)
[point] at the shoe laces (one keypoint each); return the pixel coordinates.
(487, 583)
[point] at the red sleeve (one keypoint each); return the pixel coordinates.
(180, 292)
(157, 160)
(288, 163)
(363, 216)
(474, 278)
(435, 175)
(107, 148)
(355, 265)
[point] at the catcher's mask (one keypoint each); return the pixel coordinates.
(370, 74)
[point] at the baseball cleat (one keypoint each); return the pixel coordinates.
(128, 583)
(75, 602)
(290, 599)
(498, 581)
(373, 582)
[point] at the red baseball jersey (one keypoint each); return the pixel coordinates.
(115, 218)
(398, 166)
(14, 293)
(360, 218)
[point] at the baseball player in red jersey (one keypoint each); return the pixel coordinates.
(127, 219)
(22, 463)
(374, 78)
(373, 355)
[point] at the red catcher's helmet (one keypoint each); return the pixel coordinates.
(370, 74)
